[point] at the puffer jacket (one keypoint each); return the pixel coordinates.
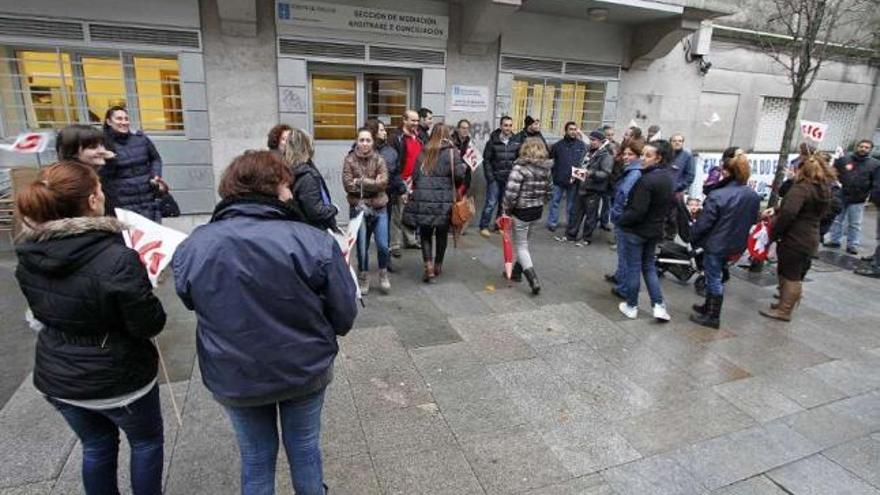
(856, 175)
(498, 157)
(126, 178)
(431, 200)
(312, 197)
(271, 295)
(529, 185)
(728, 213)
(92, 294)
(396, 186)
(367, 175)
(648, 204)
(631, 174)
(599, 166)
(796, 222)
(566, 153)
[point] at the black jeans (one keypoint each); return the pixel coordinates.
(426, 234)
(586, 211)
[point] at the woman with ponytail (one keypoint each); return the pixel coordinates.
(96, 313)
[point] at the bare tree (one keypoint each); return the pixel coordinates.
(800, 36)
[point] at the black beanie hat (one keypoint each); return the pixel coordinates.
(529, 121)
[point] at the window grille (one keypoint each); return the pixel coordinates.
(556, 102)
(771, 123)
(841, 120)
(49, 89)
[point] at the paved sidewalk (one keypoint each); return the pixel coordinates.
(472, 386)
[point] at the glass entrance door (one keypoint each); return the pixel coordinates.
(343, 102)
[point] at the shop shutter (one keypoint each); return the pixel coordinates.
(531, 64)
(288, 46)
(391, 54)
(144, 36)
(592, 70)
(841, 120)
(771, 124)
(36, 28)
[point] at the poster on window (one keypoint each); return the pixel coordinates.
(469, 98)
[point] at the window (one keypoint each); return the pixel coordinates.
(841, 120)
(52, 89)
(557, 102)
(341, 103)
(771, 124)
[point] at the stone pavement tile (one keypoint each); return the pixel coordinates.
(370, 316)
(442, 471)
(506, 299)
(757, 399)
(816, 475)
(70, 480)
(571, 322)
(585, 448)
(864, 408)
(418, 321)
(756, 357)
(447, 362)
(700, 416)
(802, 387)
(723, 460)
(491, 338)
(841, 341)
(542, 397)
(454, 298)
(612, 394)
(475, 405)
(759, 485)
(513, 460)
(650, 371)
(861, 457)
(412, 429)
(585, 485)
(825, 426)
(657, 475)
(853, 377)
(350, 476)
(41, 488)
(341, 432)
(35, 441)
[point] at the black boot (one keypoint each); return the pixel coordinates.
(701, 308)
(532, 277)
(517, 273)
(711, 316)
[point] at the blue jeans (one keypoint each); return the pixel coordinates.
(640, 258)
(558, 192)
(620, 273)
(373, 227)
(257, 431)
(852, 214)
(713, 269)
(605, 212)
(494, 193)
(99, 433)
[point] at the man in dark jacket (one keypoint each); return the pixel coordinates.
(531, 129)
(591, 190)
(683, 166)
(568, 152)
(855, 172)
(873, 269)
(501, 151)
(426, 122)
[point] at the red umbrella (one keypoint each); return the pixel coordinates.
(505, 225)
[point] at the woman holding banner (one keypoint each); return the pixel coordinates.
(271, 296)
(96, 312)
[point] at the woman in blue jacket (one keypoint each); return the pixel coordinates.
(630, 151)
(722, 230)
(134, 177)
(271, 296)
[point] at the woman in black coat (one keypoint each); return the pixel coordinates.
(311, 197)
(430, 205)
(95, 311)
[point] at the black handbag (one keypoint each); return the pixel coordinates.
(168, 206)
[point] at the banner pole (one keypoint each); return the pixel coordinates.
(168, 382)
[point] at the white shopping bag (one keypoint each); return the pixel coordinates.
(346, 241)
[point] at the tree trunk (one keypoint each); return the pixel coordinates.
(791, 125)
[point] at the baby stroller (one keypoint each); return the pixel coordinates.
(680, 260)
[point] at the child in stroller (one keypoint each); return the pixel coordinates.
(682, 260)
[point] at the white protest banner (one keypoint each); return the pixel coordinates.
(346, 241)
(154, 243)
(29, 142)
(472, 157)
(578, 173)
(763, 170)
(814, 130)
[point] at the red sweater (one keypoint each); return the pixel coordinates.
(413, 150)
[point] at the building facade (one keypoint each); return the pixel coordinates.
(207, 79)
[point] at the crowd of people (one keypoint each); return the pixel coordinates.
(272, 291)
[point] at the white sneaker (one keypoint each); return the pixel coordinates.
(660, 313)
(384, 283)
(364, 282)
(631, 312)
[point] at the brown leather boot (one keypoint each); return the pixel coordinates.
(428, 276)
(438, 268)
(789, 297)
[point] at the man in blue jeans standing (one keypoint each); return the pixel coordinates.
(568, 152)
(498, 157)
(855, 172)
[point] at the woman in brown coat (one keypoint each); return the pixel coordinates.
(795, 228)
(365, 177)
